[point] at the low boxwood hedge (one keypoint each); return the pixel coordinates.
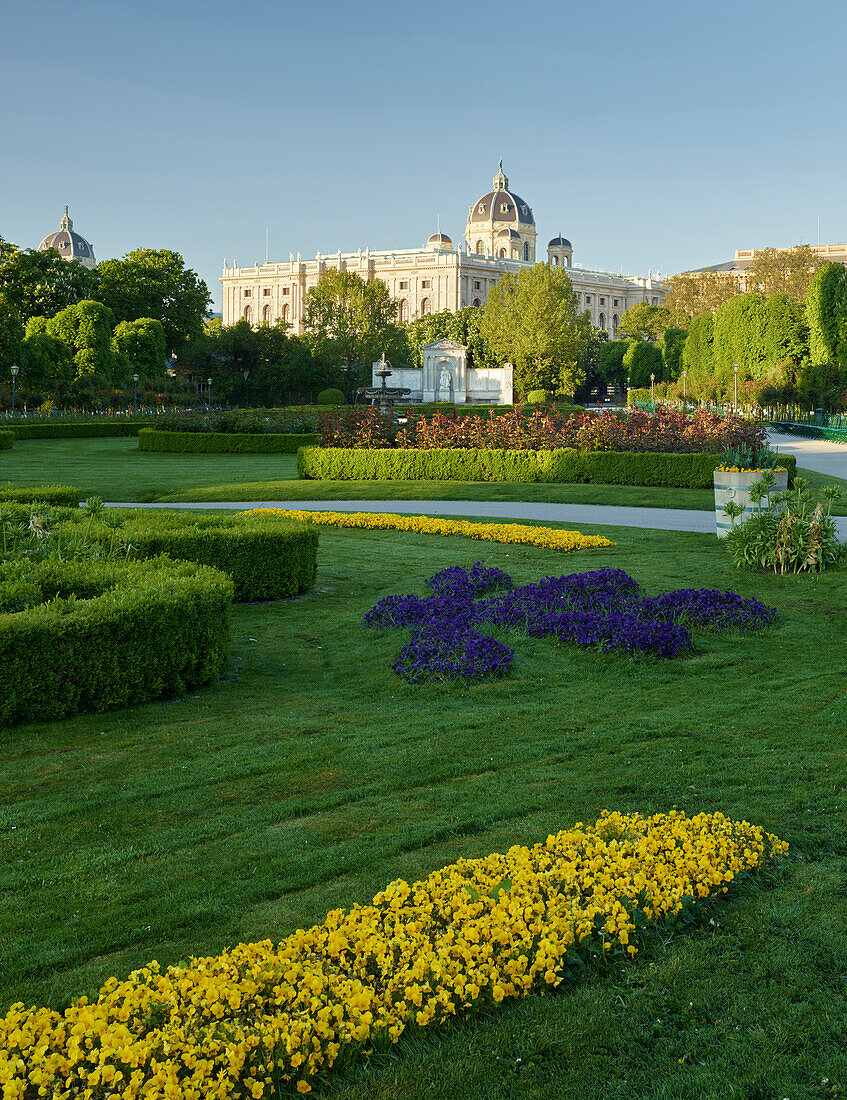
(67, 495)
(688, 471)
(149, 439)
(86, 635)
(7, 440)
(88, 430)
(268, 558)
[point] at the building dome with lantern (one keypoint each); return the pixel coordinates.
(69, 244)
(501, 224)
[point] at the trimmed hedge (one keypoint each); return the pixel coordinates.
(67, 495)
(84, 635)
(149, 439)
(77, 431)
(268, 558)
(687, 471)
(7, 440)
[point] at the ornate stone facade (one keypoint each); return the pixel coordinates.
(446, 376)
(500, 236)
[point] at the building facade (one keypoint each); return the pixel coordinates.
(738, 268)
(500, 236)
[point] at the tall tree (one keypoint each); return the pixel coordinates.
(641, 360)
(531, 320)
(86, 329)
(138, 347)
(11, 335)
(785, 270)
(42, 283)
(671, 345)
(698, 351)
(739, 338)
(693, 293)
(644, 322)
(786, 337)
(351, 322)
(826, 312)
(155, 283)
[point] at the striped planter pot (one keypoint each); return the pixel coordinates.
(735, 485)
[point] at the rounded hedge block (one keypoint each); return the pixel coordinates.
(330, 397)
(84, 635)
(7, 440)
(67, 495)
(268, 558)
(536, 397)
(149, 439)
(687, 471)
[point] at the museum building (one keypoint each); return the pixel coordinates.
(500, 236)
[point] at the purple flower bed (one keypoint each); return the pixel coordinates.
(602, 608)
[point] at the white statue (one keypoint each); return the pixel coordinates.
(445, 382)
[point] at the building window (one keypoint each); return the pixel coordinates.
(588, 299)
(404, 284)
(554, 260)
(480, 248)
(616, 303)
(502, 253)
(285, 312)
(426, 307)
(524, 210)
(266, 315)
(248, 315)
(477, 284)
(426, 284)
(403, 311)
(526, 251)
(476, 303)
(602, 301)
(481, 208)
(615, 325)
(504, 208)
(248, 293)
(285, 290)
(655, 301)
(266, 292)
(602, 321)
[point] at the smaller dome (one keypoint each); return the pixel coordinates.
(512, 234)
(439, 241)
(560, 242)
(69, 245)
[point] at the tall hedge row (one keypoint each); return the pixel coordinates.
(689, 471)
(83, 635)
(67, 495)
(268, 558)
(149, 439)
(7, 439)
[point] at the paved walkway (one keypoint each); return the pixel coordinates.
(814, 454)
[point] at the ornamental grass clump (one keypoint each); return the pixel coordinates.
(788, 532)
(264, 1020)
(603, 609)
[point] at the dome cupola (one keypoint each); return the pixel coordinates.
(560, 252)
(69, 245)
(439, 242)
(501, 209)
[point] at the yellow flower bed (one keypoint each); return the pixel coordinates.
(546, 537)
(261, 1017)
(749, 470)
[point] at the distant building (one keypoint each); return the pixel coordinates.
(500, 236)
(738, 267)
(69, 244)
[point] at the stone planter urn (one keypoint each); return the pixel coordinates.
(735, 485)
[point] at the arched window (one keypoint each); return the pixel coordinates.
(403, 311)
(554, 260)
(615, 325)
(514, 254)
(480, 247)
(426, 307)
(476, 303)
(248, 315)
(266, 315)
(526, 251)
(602, 321)
(502, 253)
(285, 312)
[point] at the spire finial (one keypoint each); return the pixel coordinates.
(66, 222)
(501, 180)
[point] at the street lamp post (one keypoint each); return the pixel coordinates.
(15, 369)
(209, 380)
(246, 374)
(735, 376)
(652, 380)
(684, 401)
(135, 392)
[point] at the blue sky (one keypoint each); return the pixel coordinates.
(659, 136)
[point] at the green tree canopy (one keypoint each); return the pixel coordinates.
(611, 360)
(531, 320)
(352, 322)
(671, 345)
(739, 337)
(694, 293)
(156, 284)
(11, 335)
(826, 313)
(785, 270)
(45, 360)
(463, 327)
(138, 347)
(42, 283)
(86, 330)
(641, 360)
(786, 337)
(644, 322)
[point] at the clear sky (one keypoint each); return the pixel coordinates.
(655, 136)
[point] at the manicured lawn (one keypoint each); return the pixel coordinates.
(117, 471)
(311, 776)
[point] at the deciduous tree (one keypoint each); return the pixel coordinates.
(138, 347)
(644, 322)
(42, 283)
(86, 329)
(785, 270)
(826, 313)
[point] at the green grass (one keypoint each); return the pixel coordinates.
(117, 471)
(312, 776)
